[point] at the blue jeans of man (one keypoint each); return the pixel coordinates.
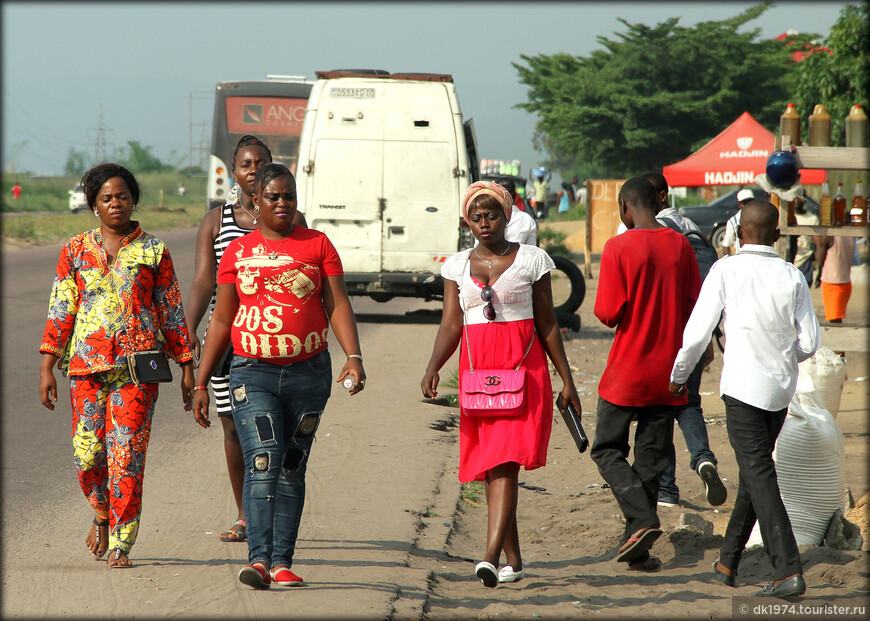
(277, 409)
(690, 418)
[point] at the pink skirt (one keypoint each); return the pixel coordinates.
(488, 442)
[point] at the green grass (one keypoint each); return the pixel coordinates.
(472, 491)
(52, 229)
(553, 241)
(51, 194)
(452, 379)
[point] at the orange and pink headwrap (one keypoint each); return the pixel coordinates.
(500, 193)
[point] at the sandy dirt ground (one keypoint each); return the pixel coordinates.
(385, 534)
(570, 528)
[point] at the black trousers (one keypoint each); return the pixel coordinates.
(635, 486)
(752, 433)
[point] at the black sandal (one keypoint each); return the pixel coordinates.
(99, 556)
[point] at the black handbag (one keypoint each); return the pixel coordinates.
(149, 367)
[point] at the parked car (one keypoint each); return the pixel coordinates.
(77, 200)
(711, 218)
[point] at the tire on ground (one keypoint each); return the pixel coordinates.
(578, 283)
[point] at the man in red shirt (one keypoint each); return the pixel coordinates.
(648, 284)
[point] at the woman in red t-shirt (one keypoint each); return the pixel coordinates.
(279, 289)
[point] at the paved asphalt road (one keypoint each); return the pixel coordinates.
(378, 469)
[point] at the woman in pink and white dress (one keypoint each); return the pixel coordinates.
(499, 294)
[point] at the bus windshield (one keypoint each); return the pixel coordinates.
(271, 110)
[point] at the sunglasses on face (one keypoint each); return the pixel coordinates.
(488, 309)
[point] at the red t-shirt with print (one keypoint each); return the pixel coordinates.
(281, 318)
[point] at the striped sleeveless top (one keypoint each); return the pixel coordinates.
(229, 230)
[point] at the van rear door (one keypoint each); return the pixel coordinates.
(345, 188)
(421, 186)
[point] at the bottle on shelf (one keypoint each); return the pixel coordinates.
(825, 215)
(856, 127)
(790, 125)
(839, 209)
(858, 213)
(820, 127)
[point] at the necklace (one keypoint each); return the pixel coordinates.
(273, 254)
(248, 212)
(494, 259)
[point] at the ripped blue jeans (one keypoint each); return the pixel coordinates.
(276, 409)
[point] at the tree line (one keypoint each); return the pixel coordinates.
(655, 94)
(134, 156)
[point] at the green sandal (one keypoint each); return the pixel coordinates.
(235, 535)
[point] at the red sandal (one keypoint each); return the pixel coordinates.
(638, 543)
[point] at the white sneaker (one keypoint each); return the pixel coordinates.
(507, 574)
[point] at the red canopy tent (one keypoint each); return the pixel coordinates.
(734, 157)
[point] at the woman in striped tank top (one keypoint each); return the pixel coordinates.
(218, 228)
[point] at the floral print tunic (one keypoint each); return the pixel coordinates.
(98, 314)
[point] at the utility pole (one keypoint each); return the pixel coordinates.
(99, 138)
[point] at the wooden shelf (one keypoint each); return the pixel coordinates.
(837, 158)
(831, 231)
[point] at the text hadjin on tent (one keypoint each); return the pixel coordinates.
(734, 157)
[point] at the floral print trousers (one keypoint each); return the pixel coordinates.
(111, 427)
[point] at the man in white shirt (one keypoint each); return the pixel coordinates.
(771, 327)
(730, 239)
(521, 228)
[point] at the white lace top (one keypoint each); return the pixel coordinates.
(512, 292)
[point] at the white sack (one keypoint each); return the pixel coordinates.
(824, 373)
(809, 459)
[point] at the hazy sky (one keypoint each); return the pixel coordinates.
(153, 66)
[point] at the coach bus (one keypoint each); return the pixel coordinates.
(271, 109)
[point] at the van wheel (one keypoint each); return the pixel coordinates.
(380, 296)
(716, 237)
(569, 287)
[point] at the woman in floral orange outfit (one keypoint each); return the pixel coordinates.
(114, 293)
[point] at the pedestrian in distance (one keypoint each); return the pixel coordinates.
(114, 293)
(541, 188)
(499, 304)
(689, 417)
(521, 227)
(279, 290)
(16, 191)
(730, 239)
(804, 251)
(771, 326)
(218, 228)
(648, 282)
(834, 256)
(563, 200)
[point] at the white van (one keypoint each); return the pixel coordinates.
(384, 160)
